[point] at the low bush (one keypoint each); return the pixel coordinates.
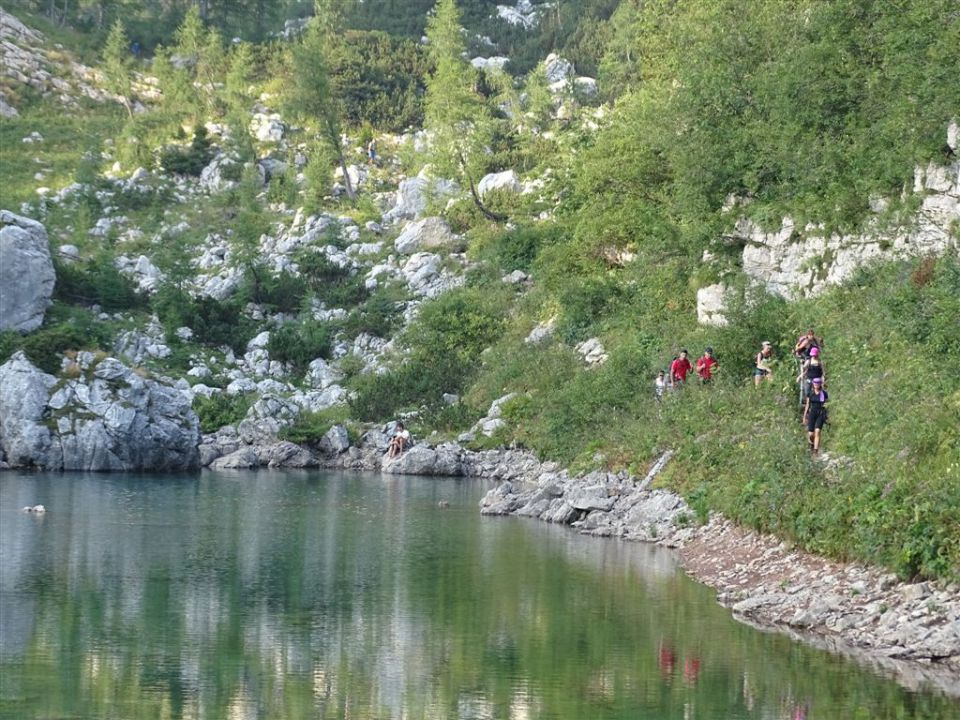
(445, 343)
(214, 323)
(189, 160)
(301, 343)
(332, 284)
(96, 282)
(220, 410)
(280, 293)
(310, 427)
(65, 328)
(379, 315)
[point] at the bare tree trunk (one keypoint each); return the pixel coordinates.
(487, 212)
(334, 137)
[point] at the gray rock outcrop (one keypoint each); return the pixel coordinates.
(431, 233)
(26, 273)
(426, 460)
(415, 193)
(505, 181)
(100, 415)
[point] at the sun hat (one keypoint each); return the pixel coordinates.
(814, 352)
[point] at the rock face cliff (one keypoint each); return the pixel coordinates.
(26, 273)
(99, 416)
(795, 261)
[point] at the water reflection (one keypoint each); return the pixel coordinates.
(274, 595)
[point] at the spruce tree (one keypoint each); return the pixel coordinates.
(312, 94)
(455, 113)
(117, 70)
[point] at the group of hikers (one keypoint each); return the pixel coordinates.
(808, 351)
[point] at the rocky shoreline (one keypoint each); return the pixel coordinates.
(910, 631)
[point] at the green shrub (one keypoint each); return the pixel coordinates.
(220, 410)
(310, 427)
(96, 282)
(283, 292)
(65, 329)
(188, 160)
(214, 323)
(517, 248)
(334, 285)
(446, 342)
(301, 343)
(379, 315)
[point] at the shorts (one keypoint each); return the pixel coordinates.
(760, 372)
(816, 419)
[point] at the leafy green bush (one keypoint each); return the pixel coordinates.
(446, 342)
(220, 410)
(309, 427)
(301, 343)
(214, 323)
(334, 285)
(517, 248)
(188, 160)
(379, 315)
(64, 329)
(283, 292)
(96, 281)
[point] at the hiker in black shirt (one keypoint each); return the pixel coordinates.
(815, 413)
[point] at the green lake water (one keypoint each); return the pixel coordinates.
(323, 595)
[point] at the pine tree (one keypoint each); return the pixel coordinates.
(312, 94)
(117, 66)
(456, 114)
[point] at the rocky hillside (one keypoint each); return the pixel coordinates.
(197, 251)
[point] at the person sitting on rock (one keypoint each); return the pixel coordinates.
(399, 442)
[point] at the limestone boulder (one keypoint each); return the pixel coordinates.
(425, 460)
(505, 181)
(711, 305)
(431, 233)
(415, 193)
(335, 441)
(27, 276)
(100, 415)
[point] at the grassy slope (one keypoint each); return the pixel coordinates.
(892, 346)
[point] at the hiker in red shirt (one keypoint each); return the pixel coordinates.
(706, 365)
(679, 368)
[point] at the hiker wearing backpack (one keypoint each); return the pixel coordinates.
(811, 369)
(815, 413)
(806, 343)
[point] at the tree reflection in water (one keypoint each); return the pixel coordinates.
(275, 595)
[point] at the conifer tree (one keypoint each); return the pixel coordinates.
(455, 113)
(312, 94)
(117, 70)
